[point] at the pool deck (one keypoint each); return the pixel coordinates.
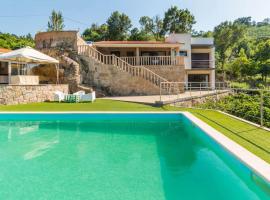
(167, 99)
(255, 163)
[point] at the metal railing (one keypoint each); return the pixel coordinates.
(202, 64)
(177, 93)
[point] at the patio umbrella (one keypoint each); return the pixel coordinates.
(29, 55)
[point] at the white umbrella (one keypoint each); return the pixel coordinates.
(29, 55)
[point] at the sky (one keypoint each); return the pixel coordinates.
(30, 16)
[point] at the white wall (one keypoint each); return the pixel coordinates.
(185, 40)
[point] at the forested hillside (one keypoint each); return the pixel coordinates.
(11, 41)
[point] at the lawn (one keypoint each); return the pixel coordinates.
(252, 138)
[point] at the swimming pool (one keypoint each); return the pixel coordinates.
(118, 157)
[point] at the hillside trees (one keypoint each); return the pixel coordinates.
(119, 27)
(11, 41)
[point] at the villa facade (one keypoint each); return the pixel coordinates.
(194, 57)
(135, 67)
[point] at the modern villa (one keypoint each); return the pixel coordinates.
(195, 57)
(138, 67)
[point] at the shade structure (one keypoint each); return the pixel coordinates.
(28, 55)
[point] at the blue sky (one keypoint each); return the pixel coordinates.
(29, 16)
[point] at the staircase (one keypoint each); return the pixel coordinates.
(135, 71)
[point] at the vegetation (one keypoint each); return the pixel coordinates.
(56, 22)
(244, 105)
(242, 45)
(178, 20)
(243, 51)
(252, 138)
(118, 26)
(11, 41)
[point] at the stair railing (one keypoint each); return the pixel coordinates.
(139, 71)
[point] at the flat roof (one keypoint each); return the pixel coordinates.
(199, 41)
(159, 44)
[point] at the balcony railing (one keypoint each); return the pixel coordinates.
(154, 60)
(202, 64)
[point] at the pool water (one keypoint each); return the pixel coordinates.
(118, 157)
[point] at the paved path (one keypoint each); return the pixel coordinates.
(164, 98)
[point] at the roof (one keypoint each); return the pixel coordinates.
(197, 41)
(135, 44)
(3, 50)
(28, 55)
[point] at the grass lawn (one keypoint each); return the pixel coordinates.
(252, 138)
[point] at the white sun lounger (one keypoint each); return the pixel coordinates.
(88, 97)
(59, 96)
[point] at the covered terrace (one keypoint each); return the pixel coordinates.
(142, 52)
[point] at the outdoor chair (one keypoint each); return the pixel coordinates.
(91, 97)
(59, 96)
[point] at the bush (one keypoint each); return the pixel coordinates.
(244, 105)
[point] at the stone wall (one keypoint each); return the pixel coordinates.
(20, 94)
(174, 73)
(58, 39)
(195, 101)
(113, 81)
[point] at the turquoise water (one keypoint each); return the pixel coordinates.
(117, 157)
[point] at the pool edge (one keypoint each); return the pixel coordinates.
(256, 164)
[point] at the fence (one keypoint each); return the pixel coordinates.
(249, 104)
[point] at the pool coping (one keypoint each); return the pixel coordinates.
(259, 166)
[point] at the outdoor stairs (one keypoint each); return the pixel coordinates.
(117, 62)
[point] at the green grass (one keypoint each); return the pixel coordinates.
(252, 138)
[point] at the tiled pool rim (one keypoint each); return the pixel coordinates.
(256, 164)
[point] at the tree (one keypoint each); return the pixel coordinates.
(139, 35)
(240, 66)
(265, 22)
(119, 25)
(262, 56)
(244, 21)
(152, 26)
(11, 41)
(265, 70)
(227, 35)
(96, 33)
(178, 20)
(202, 34)
(56, 22)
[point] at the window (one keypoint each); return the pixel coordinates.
(183, 53)
(116, 53)
(130, 54)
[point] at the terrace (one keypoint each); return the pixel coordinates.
(143, 53)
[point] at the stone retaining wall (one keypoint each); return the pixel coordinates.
(173, 73)
(113, 81)
(195, 101)
(23, 94)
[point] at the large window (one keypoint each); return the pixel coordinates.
(3, 68)
(200, 60)
(198, 81)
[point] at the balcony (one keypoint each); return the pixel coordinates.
(154, 60)
(202, 64)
